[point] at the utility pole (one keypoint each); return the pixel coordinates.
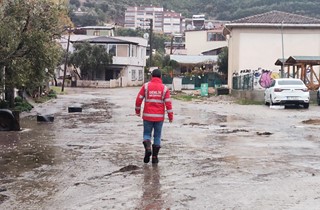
(171, 44)
(283, 61)
(150, 41)
(66, 61)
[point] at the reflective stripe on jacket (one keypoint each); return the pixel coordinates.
(156, 98)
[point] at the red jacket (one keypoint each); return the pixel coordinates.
(156, 98)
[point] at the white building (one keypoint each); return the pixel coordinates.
(95, 30)
(139, 17)
(128, 61)
(173, 22)
(258, 41)
(168, 22)
(199, 41)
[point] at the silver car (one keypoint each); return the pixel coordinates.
(286, 91)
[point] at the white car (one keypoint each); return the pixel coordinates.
(287, 91)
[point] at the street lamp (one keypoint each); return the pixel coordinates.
(66, 60)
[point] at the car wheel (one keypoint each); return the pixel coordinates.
(306, 105)
(265, 99)
(271, 103)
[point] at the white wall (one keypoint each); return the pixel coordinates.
(196, 42)
(132, 79)
(255, 47)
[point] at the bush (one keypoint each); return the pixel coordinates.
(18, 99)
(52, 94)
(4, 104)
(22, 106)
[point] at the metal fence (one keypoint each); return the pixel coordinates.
(243, 82)
(213, 80)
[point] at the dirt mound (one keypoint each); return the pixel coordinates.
(312, 122)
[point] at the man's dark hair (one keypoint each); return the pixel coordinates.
(156, 73)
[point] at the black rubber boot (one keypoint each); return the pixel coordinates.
(147, 153)
(155, 151)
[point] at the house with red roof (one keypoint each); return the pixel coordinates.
(258, 41)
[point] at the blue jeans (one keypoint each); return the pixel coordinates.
(148, 126)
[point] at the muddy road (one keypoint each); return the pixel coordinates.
(215, 155)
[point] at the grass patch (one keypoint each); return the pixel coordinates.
(248, 102)
(57, 90)
(51, 95)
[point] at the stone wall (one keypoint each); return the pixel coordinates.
(258, 95)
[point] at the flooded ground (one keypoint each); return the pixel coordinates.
(215, 155)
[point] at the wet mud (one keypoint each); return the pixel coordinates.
(214, 155)
(312, 121)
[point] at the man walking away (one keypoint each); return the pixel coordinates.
(157, 99)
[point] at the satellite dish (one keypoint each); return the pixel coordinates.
(189, 27)
(146, 35)
(210, 25)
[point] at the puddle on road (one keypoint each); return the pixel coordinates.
(24, 157)
(27, 149)
(96, 111)
(152, 194)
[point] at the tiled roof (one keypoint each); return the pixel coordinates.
(277, 17)
(194, 59)
(312, 60)
(304, 59)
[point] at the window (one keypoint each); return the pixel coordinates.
(129, 18)
(122, 50)
(112, 49)
(290, 82)
(133, 75)
(96, 33)
(133, 51)
(140, 75)
(212, 36)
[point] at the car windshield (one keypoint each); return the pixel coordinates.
(290, 82)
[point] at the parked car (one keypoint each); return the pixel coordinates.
(318, 96)
(287, 91)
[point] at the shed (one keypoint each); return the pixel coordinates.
(302, 67)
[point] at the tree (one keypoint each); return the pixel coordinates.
(28, 50)
(164, 63)
(75, 2)
(90, 59)
(85, 20)
(223, 61)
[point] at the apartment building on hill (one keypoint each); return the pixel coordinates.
(168, 22)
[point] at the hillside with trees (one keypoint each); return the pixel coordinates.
(99, 11)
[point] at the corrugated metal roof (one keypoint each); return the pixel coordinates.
(106, 39)
(194, 59)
